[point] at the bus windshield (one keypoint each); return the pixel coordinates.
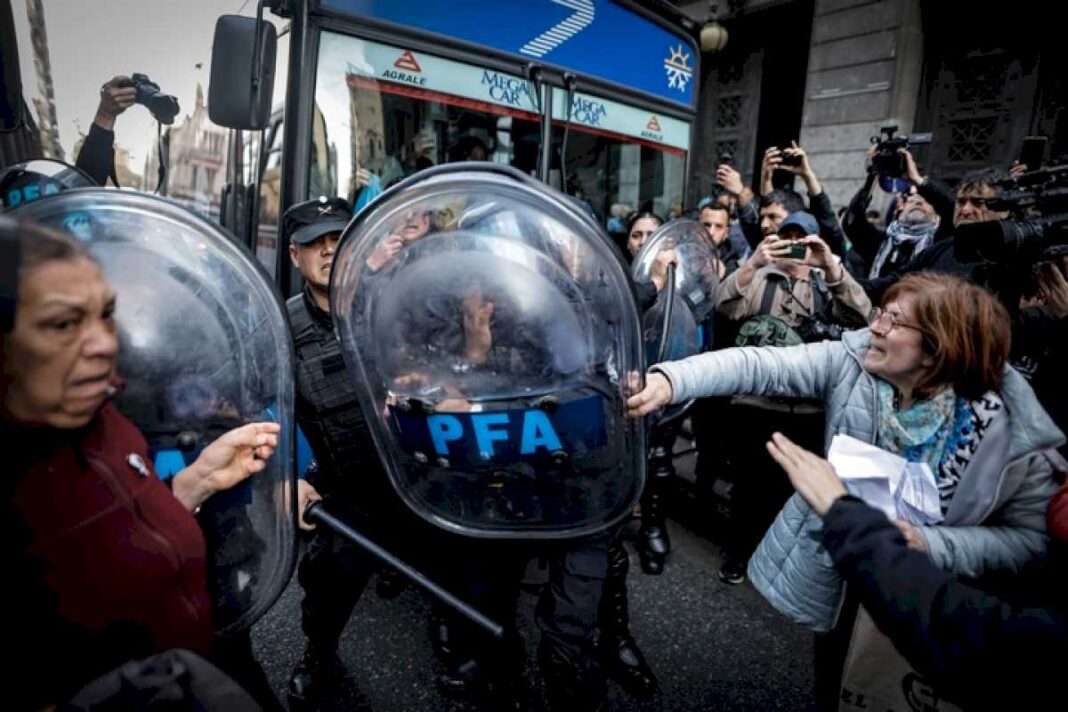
(388, 111)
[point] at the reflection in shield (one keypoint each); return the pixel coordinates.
(490, 353)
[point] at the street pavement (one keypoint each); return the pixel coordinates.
(713, 646)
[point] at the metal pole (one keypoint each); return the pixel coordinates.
(546, 162)
(316, 513)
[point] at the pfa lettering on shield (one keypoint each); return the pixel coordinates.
(488, 429)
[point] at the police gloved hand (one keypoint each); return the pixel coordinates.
(656, 394)
(116, 96)
(230, 459)
(306, 494)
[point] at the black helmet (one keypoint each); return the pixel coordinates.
(31, 180)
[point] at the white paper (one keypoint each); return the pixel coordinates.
(917, 500)
(898, 488)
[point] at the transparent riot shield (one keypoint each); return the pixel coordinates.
(493, 332)
(679, 324)
(204, 347)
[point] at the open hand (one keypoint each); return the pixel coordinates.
(229, 460)
(812, 476)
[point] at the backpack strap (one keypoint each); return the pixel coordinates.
(821, 295)
(769, 292)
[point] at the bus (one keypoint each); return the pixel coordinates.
(594, 97)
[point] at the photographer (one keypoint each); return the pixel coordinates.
(97, 155)
(973, 192)
(917, 225)
(794, 160)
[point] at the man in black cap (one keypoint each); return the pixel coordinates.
(347, 472)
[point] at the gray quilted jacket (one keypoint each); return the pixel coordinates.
(996, 519)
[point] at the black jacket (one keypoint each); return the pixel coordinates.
(980, 651)
(938, 257)
(97, 155)
(821, 209)
(866, 238)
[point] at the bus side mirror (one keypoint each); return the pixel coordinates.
(242, 72)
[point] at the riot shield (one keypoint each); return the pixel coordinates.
(204, 347)
(491, 328)
(679, 324)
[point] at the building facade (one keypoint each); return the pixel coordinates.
(977, 76)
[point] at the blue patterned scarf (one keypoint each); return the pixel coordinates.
(944, 431)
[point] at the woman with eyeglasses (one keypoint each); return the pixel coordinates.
(928, 381)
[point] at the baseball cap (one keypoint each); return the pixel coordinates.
(802, 221)
(306, 222)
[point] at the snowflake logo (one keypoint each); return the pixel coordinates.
(679, 71)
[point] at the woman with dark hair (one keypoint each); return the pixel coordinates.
(107, 564)
(929, 382)
(640, 225)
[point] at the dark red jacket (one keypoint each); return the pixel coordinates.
(1057, 516)
(108, 564)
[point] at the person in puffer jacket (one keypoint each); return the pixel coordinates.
(929, 382)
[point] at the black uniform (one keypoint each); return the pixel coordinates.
(333, 571)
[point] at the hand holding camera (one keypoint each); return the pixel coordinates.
(795, 160)
(892, 160)
(774, 248)
(121, 93)
(116, 96)
(820, 255)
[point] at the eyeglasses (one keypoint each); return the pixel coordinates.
(880, 318)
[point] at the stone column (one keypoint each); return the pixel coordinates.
(864, 72)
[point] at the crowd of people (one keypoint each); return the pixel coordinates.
(822, 327)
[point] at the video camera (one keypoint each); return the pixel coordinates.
(888, 163)
(1037, 230)
(163, 107)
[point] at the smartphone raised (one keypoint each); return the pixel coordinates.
(797, 252)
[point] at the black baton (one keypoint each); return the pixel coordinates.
(315, 513)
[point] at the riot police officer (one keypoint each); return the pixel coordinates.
(497, 353)
(332, 572)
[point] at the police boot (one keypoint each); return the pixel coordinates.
(653, 541)
(318, 671)
(571, 685)
(622, 658)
